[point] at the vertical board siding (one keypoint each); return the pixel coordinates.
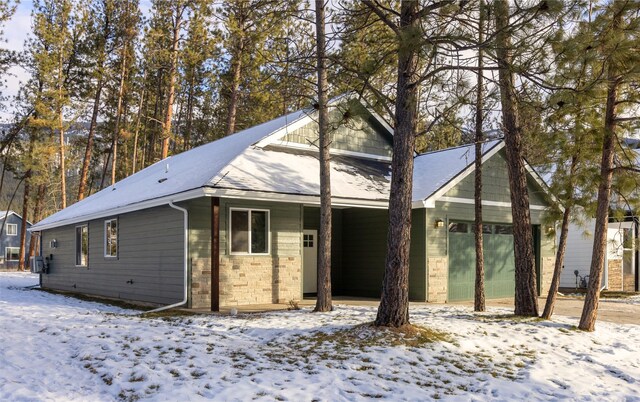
(365, 248)
(150, 254)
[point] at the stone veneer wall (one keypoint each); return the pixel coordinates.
(548, 265)
(200, 282)
(629, 284)
(259, 279)
(615, 275)
(437, 281)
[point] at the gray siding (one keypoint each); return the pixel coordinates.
(359, 133)
(11, 241)
(150, 253)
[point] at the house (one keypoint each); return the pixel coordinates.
(235, 221)
(11, 223)
(621, 264)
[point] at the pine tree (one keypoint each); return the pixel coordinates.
(616, 37)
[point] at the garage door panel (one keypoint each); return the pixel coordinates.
(499, 264)
(461, 278)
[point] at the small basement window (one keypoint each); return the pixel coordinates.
(12, 254)
(82, 245)
(249, 231)
(111, 238)
(12, 229)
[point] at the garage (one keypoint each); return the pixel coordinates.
(499, 261)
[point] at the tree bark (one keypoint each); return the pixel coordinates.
(525, 275)
(25, 217)
(134, 157)
(234, 89)
(394, 303)
(479, 296)
(557, 270)
(323, 301)
(116, 131)
(84, 172)
(590, 309)
(37, 215)
(166, 127)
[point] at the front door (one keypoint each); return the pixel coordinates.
(310, 258)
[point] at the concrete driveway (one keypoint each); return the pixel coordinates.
(620, 311)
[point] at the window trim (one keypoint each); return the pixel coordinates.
(106, 255)
(5, 254)
(230, 237)
(13, 225)
(75, 235)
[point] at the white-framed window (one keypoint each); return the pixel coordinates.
(249, 231)
(12, 229)
(82, 245)
(111, 238)
(12, 254)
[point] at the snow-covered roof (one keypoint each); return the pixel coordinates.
(176, 174)
(434, 173)
(297, 172)
(248, 165)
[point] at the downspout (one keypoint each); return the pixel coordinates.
(185, 261)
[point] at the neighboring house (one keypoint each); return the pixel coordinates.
(236, 221)
(622, 262)
(621, 259)
(10, 240)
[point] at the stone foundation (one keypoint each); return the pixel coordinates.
(548, 265)
(259, 279)
(200, 283)
(438, 279)
(615, 275)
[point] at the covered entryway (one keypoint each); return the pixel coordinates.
(310, 261)
(499, 261)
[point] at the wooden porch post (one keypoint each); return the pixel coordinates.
(215, 254)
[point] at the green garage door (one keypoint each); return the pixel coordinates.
(498, 261)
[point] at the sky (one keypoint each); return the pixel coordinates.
(16, 32)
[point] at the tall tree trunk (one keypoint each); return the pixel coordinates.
(590, 310)
(479, 297)
(63, 173)
(189, 125)
(525, 276)
(557, 270)
(116, 131)
(234, 90)
(394, 304)
(25, 217)
(37, 215)
(134, 157)
(84, 172)
(166, 127)
(323, 302)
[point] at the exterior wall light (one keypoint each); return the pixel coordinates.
(439, 224)
(53, 244)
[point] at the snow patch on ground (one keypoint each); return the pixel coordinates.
(59, 348)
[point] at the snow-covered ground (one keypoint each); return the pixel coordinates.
(58, 348)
